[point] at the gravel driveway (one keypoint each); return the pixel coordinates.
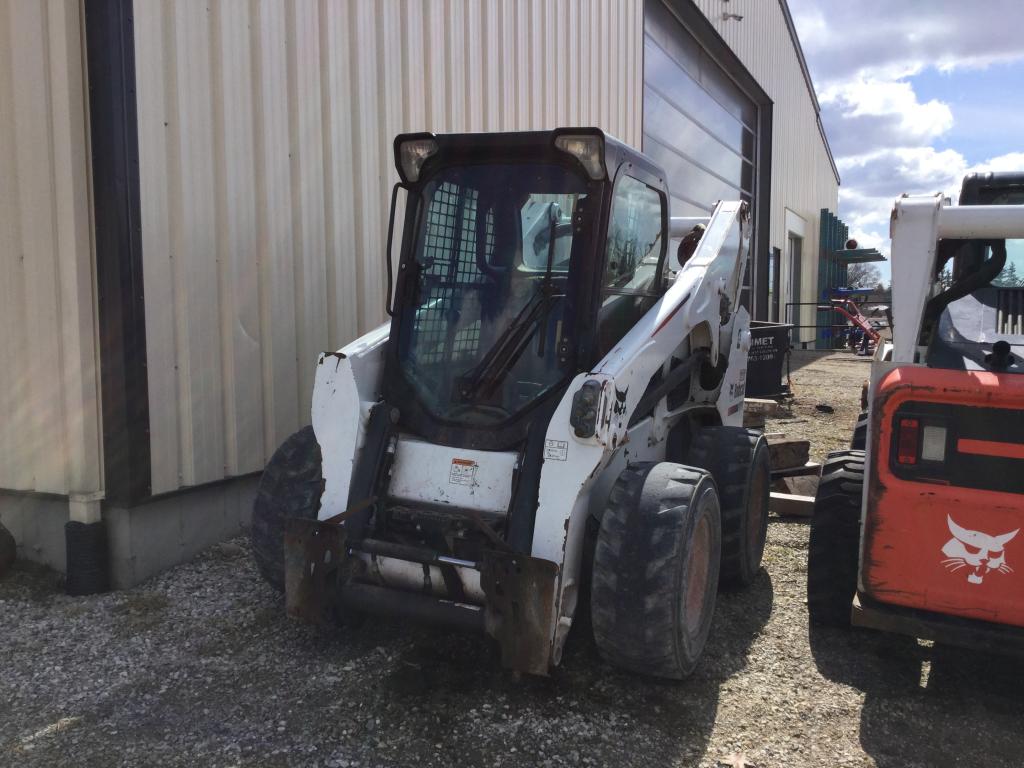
(200, 667)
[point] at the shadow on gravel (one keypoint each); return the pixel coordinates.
(30, 581)
(928, 705)
(802, 357)
(798, 358)
(592, 712)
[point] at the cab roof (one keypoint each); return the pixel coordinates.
(535, 144)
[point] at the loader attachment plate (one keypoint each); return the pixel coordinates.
(313, 554)
(520, 612)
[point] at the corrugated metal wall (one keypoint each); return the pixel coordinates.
(265, 134)
(49, 402)
(802, 176)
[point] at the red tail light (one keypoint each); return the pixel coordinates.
(907, 441)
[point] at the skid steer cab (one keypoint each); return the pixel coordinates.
(917, 528)
(549, 421)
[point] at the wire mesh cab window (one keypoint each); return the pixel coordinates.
(449, 259)
(492, 259)
(634, 273)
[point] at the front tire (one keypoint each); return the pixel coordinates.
(655, 574)
(833, 552)
(290, 487)
(738, 459)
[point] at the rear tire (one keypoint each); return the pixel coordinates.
(738, 459)
(859, 440)
(655, 572)
(290, 487)
(832, 556)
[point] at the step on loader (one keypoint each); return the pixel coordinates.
(552, 413)
(916, 529)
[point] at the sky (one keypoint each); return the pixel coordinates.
(914, 95)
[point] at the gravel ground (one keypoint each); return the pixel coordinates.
(200, 667)
(826, 400)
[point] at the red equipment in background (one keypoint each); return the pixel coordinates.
(848, 308)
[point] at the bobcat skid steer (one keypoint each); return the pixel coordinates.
(916, 529)
(553, 411)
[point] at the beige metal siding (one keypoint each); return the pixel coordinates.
(49, 398)
(265, 134)
(802, 175)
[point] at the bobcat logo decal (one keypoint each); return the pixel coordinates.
(977, 551)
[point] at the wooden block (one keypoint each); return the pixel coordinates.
(810, 468)
(753, 421)
(791, 505)
(759, 406)
(801, 485)
(789, 453)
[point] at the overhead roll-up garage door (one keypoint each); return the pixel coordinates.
(698, 125)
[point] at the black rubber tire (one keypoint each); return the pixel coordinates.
(739, 461)
(644, 616)
(859, 439)
(834, 549)
(290, 487)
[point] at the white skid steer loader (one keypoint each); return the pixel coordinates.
(553, 413)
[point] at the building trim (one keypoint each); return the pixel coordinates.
(809, 82)
(114, 135)
(762, 242)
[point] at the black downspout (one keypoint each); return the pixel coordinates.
(761, 240)
(113, 128)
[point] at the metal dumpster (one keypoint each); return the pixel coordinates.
(769, 345)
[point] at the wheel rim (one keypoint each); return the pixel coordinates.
(757, 513)
(697, 575)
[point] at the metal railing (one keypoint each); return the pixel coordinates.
(826, 334)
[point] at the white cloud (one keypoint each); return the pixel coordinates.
(1011, 161)
(869, 114)
(872, 183)
(882, 134)
(893, 40)
(891, 172)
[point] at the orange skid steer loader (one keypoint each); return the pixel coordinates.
(917, 529)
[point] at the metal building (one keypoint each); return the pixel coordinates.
(194, 201)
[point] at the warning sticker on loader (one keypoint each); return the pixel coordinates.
(463, 472)
(556, 450)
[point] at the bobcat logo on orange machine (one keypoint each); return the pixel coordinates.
(977, 551)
